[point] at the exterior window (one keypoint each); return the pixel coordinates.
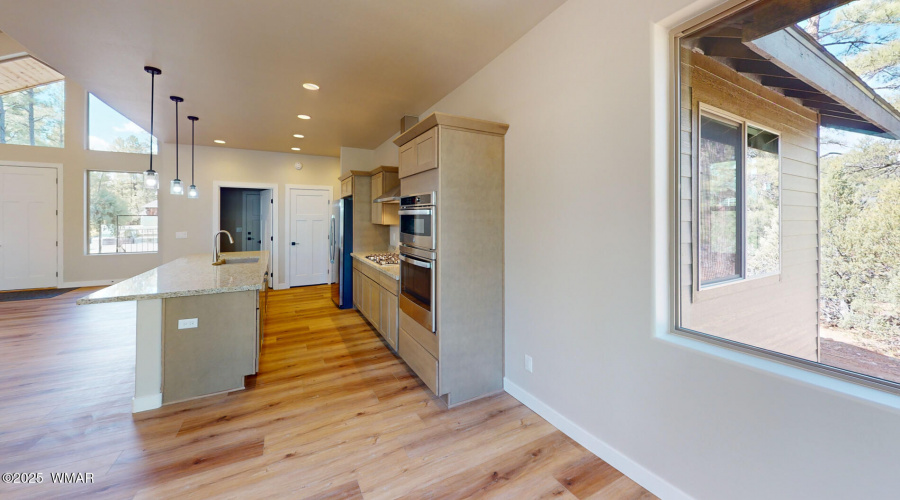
(122, 214)
(721, 156)
(738, 201)
(35, 116)
(763, 199)
(788, 186)
(109, 130)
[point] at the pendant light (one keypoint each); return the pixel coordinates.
(176, 188)
(151, 178)
(192, 191)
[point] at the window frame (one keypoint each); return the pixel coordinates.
(858, 381)
(87, 217)
(713, 112)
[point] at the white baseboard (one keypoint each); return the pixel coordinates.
(79, 284)
(144, 403)
(610, 455)
(280, 286)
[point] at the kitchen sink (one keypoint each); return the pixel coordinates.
(242, 260)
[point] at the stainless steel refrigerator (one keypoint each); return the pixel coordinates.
(341, 240)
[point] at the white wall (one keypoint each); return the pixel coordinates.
(356, 159)
(178, 213)
(76, 161)
(587, 165)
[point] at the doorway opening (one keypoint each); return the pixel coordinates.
(247, 212)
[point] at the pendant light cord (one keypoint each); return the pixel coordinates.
(152, 92)
(176, 141)
(193, 122)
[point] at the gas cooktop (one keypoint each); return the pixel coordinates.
(384, 259)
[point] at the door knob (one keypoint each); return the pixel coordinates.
(293, 243)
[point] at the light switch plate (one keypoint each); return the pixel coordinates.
(187, 323)
(240, 230)
(181, 235)
(529, 364)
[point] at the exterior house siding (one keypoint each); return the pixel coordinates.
(777, 313)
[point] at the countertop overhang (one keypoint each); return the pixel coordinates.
(190, 275)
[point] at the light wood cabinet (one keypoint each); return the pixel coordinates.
(462, 160)
(419, 154)
(375, 296)
(383, 180)
(347, 187)
(389, 315)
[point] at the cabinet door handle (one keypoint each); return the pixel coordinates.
(293, 243)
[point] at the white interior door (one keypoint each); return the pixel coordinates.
(252, 235)
(27, 227)
(310, 214)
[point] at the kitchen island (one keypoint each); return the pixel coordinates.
(199, 326)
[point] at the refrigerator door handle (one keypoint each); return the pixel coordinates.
(331, 237)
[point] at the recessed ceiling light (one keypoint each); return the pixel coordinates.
(219, 141)
(303, 117)
(299, 136)
(295, 149)
(310, 86)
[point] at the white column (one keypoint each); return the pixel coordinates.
(148, 359)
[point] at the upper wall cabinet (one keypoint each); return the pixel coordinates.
(383, 180)
(419, 154)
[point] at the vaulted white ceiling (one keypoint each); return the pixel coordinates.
(239, 64)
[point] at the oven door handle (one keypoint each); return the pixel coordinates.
(415, 212)
(415, 262)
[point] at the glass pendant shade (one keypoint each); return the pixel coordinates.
(192, 192)
(151, 179)
(176, 188)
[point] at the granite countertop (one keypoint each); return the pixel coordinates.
(191, 275)
(391, 270)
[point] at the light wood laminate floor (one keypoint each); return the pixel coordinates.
(332, 414)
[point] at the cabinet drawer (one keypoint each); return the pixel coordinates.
(424, 336)
(424, 364)
(389, 284)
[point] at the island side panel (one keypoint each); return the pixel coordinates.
(217, 354)
(148, 356)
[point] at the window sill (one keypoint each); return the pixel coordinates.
(118, 254)
(731, 287)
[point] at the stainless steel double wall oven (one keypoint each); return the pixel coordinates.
(418, 258)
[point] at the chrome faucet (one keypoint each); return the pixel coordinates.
(216, 241)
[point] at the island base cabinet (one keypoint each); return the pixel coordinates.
(217, 354)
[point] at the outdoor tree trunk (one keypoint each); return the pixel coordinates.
(2, 122)
(31, 116)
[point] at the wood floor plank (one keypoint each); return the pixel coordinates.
(332, 414)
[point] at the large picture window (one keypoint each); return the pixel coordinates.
(788, 185)
(109, 130)
(35, 116)
(122, 214)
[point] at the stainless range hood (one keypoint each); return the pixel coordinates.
(391, 196)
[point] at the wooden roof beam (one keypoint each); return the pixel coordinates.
(796, 52)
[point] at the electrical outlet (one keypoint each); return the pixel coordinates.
(181, 235)
(529, 364)
(240, 230)
(187, 323)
